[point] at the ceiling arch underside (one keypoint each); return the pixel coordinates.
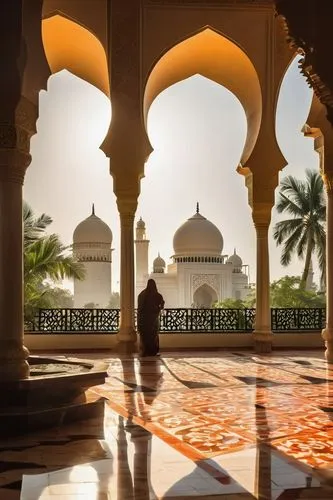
(68, 45)
(215, 57)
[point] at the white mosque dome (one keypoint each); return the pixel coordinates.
(159, 264)
(198, 236)
(92, 230)
(235, 260)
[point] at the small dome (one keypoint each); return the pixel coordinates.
(140, 224)
(198, 236)
(159, 262)
(235, 260)
(92, 230)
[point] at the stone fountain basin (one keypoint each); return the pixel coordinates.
(55, 392)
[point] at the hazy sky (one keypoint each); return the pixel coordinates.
(197, 129)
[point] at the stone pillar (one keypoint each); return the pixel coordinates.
(263, 331)
(13, 354)
(127, 209)
(327, 333)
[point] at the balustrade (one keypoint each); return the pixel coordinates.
(177, 320)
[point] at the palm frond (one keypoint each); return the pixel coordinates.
(33, 227)
(284, 229)
(290, 245)
(305, 202)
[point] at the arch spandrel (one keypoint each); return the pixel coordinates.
(166, 23)
(68, 45)
(198, 54)
(91, 14)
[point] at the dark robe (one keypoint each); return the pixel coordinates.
(150, 303)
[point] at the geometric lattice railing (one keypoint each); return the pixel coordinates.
(177, 320)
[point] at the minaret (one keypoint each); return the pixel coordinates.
(141, 254)
(309, 281)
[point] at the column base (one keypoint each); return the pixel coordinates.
(126, 347)
(127, 334)
(127, 341)
(263, 342)
(13, 362)
(327, 335)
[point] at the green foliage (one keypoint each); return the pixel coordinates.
(230, 304)
(46, 260)
(59, 298)
(90, 305)
(114, 302)
(287, 292)
(304, 233)
(284, 292)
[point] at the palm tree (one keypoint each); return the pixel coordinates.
(304, 233)
(45, 258)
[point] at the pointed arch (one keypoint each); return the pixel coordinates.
(219, 59)
(68, 45)
(205, 296)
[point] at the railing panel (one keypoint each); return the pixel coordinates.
(174, 320)
(228, 320)
(201, 320)
(250, 318)
(54, 320)
(178, 320)
(107, 320)
(288, 319)
(83, 320)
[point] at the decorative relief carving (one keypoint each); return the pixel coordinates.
(26, 115)
(8, 136)
(14, 137)
(205, 279)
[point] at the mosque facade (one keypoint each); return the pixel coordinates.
(199, 274)
(92, 240)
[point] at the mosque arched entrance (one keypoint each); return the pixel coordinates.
(204, 297)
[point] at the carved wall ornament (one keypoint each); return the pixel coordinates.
(8, 136)
(14, 137)
(211, 280)
(26, 115)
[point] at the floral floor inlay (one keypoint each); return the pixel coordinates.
(229, 425)
(208, 406)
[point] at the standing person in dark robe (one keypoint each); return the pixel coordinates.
(150, 304)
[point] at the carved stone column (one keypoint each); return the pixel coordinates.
(263, 330)
(127, 209)
(13, 354)
(327, 333)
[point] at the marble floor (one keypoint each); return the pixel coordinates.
(229, 425)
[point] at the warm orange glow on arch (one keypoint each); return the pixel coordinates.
(215, 57)
(70, 46)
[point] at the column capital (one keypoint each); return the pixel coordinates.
(16, 134)
(127, 207)
(261, 215)
(13, 165)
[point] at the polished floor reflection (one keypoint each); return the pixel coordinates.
(189, 425)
